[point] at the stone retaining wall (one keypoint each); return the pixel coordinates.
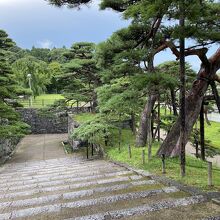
(44, 122)
(7, 147)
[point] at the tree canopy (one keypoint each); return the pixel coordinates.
(131, 51)
(10, 124)
(81, 74)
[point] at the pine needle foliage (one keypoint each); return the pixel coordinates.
(10, 124)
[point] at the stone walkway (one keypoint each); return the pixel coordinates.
(41, 182)
(39, 147)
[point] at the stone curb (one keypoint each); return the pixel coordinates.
(193, 191)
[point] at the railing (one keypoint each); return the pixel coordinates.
(37, 103)
(42, 103)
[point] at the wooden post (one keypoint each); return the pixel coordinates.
(129, 151)
(202, 132)
(92, 149)
(143, 156)
(77, 106)
(119, 147)
(197, 148)
(209, 173)
(153, 115)
(149, 139)
(163, 164)
(165, 109)
(87, 151)
(119, 143)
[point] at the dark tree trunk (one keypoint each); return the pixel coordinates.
(144, 130)
(216, 95)
(158, 118)
(173, 100)
(141, 137)
(170, 146)
(94, 103)
(133, 123)
(206, 115)
(182, 91)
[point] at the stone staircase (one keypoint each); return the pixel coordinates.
(73, 188)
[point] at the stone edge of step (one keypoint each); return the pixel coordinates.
(73, 195)
(140, 210)
(212, 218)
(28, 212)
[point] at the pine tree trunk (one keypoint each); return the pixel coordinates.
(143, 131)
(194, 99)
(133, 123)
(94, 103)
(173, 100)
(141, 137)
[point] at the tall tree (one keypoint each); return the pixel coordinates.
(202, 28)
(40, 53)
(69, 3)
(39, 73)
(182, 89)
(57, 55)
(172, 68)
(56, 71)
(10, 124)
(81, 78)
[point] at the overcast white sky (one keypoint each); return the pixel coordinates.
(35, 22)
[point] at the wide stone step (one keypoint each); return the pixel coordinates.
(47, 163)
(212, 218)
(70, 186)
(93, 202)
(56, 169)
(198, 211)
(144, 209)
(56, 174)
(73, 195)
(73, 176)
(42, 171)
(68, 181)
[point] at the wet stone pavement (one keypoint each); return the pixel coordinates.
(41, 182)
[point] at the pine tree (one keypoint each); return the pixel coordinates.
(10, 124)
(201, 27)
(81, 78)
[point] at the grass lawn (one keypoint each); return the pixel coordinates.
(49, 96)
(212, 133)
(84, 117)
(49, 99)
(43, 100)
(196, 170)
